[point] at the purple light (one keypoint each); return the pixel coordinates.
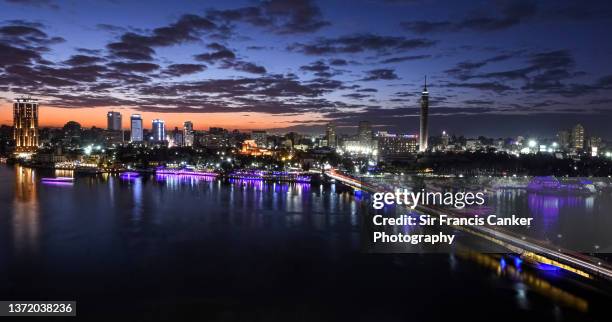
(58, 179)
(183, 177)
(183, 172)
(58, 183)
(270, 175)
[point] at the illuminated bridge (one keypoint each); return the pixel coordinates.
(528, 248)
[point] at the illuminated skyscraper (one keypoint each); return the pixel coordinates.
(424, 130)
(159, 130)
(25, 124)
(113, 120)
(330, 135)
(188, 135)
(136, 127)
(578, 137)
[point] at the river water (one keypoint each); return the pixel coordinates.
(167, 248)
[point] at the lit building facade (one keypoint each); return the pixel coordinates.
(25, 124)
(396, 144)
(159, 130)
(578, 137)
(188, 134)
(330, 135)
(136, 128)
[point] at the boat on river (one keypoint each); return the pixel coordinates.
(553, 185)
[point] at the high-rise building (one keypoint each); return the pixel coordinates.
(578, 137)
(424, 128)
(188, 134)
(365, 134)
(113, 120)
(330, 135)
(177, 137)
(159, 130)
(136, 128)
(396, 145)
(25, 124)
(260, 138)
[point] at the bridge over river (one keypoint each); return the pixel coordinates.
(528, 248)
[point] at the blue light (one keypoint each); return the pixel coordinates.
(517, 262)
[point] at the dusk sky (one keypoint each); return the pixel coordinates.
(496, 68)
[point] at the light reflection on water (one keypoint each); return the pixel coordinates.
(571, 221)
(148, 217)
(25, 215)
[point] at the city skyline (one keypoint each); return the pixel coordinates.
(498, 69)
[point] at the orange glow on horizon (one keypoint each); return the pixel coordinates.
(88, 117)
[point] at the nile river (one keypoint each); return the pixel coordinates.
(164, 248)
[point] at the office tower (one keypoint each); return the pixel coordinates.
(578, 137)
(113, 120)
(136, 128)
(260, 138)
(188, 134)
(424, 130)
(177, 137)
(365, 134)
(25, 124)
(330, 135)
(396, 145)
(159, 130)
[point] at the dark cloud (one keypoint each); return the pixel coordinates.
(464, 70)
(257, 47)
(227, 59)
(403, 58)
(478, 102)
(405, 94)
(360, 43)
(28, 36)
(320, 69)
(134, 67)
(243, 66)
(130, 51)
(508, 13)
(357, 96)
(318, 66)
(136, 46)
(545, 72)
(489, 86)
(220, 52)
(184, 69)
(338, 62)
(10, 55)
(279, 16)
(77, 60)
(380, 74)
(367, 90)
